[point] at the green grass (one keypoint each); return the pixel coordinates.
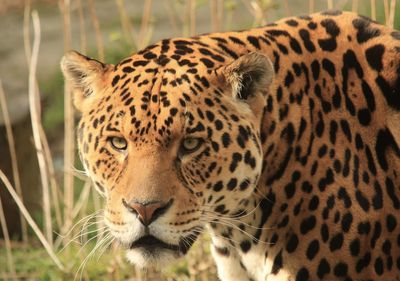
(33, 261)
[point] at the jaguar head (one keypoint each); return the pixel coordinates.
(173, 144)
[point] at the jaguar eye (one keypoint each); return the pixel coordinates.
(118, 143)
(191, 144)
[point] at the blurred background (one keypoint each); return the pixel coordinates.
(51, 224)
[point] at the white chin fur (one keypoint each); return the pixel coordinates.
(144, 259)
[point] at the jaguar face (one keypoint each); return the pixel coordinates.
(171, 146)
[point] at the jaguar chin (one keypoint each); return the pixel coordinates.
(149, 251)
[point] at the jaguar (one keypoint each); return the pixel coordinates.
(282, 142)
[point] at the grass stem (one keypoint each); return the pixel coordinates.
(69, 140)
(7, 242)
(13, 156)
(36, 123)
(30, 221)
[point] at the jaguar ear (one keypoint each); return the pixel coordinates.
(248, 75)
(83, 75)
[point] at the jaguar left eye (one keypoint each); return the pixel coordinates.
(190, 145)
(118, 143)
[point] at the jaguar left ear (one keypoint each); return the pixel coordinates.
(84, 75)
(248, 75)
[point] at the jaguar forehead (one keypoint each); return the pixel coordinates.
(156, 91)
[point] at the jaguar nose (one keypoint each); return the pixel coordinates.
(147, 212)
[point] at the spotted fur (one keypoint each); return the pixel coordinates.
(295, 172)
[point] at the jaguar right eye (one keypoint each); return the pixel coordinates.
(118, 143)
(190, 145)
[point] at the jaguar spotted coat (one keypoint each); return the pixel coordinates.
(282, 141)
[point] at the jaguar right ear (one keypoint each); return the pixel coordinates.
(83, 74)
(248, 75)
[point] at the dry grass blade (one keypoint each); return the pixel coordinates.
(228, 15)
(125, 22)
(354, 6)
(373, 9)
(311, 6)
(69, 155)
(65, 11)
(386, 10)
(30, 221)
(27, 45)
(96, 25)
(83, 198)
(52, 176)
(249, 7)
(45, 145)
(13, 155)
(288, 11)
(330, 4)
(82, 31)
(259, 11)
(97, 206)
(46, 149)
(172, 15)
(145, 30)
(392, 12)
(10, 259)
(215, 22)
(192, 17)
(36, 123)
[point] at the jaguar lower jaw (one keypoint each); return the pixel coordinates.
(152, 257)
(150, 252)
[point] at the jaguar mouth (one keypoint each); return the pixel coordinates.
(150, 242)
(151, 251)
